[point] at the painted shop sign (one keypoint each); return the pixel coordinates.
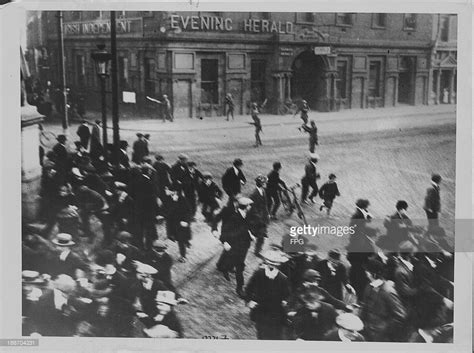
(101, 27)
(286, 51)
(215, 23)
(322, 50)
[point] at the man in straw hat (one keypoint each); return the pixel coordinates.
(236, 238)
(267, 293)
(164, 323)
(65, 261)
(347, 330)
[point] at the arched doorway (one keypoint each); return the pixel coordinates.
(308, 81)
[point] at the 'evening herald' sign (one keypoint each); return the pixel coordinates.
(101, 27)
(215, 23)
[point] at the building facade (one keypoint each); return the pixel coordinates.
(333, 60)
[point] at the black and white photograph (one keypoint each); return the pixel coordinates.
(239, 175)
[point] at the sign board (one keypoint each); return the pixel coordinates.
(129, 97)
(102, 27)
(322, 50)
(286, 51)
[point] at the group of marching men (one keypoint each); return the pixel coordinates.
(398, 287)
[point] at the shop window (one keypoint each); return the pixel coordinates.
(344, 19)
(379, 20)
(341, 81)
(257, 78)
(209, 81)
(444, 35)
(149, 76)
(409, 22)
(374, 79)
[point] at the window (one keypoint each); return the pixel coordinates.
(344, 19)
(149, 76)
(444, 35)
(341, 82)
(409, 22)
(123, 73)
(379, 20)
(374, 79)
(257, 81)
(80, 71)
(305, 17)
(209, 81)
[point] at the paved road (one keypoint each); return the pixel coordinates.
(383, 157)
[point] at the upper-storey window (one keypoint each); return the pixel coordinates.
(379, 20)
(409, 22)
(344, 19)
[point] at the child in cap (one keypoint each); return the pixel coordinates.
(328, 193)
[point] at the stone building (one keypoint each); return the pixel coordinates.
(333, 60)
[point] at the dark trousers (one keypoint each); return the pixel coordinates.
(305, 184)
(207, 210)
(259, 245)
(258, 141)
(230, 111)
(145, 232)
(273, 202)
(269, 328)
(312, 145)
(433, 220)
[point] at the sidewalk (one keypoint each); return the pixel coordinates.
(145, 123)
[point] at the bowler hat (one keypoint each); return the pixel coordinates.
(63, 239)
(105, 257)
(362, 203)
(139, 134)
(238, 162)
(61, 138)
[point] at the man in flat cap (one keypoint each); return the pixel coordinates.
(234, 178)
(267, 294)
(210, 196)
(179, 171)
(236, 238)
(62, 156)
(161, 260)
(334, 275)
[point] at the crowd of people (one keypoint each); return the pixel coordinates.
(393, 287)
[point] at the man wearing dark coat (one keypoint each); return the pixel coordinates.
(432, 204)
(96, 147)
(361, 247)
(84, 134)
(65, 261)
(233, 179)
(259, 216)
(236, 237)
(309, 179)
(267, 295)
(313, 135)
(274, 184)
(178, 220)
(209, 196)
(62, 157)
(140, 149)
(163, 171)
(334, 275)
(179, 171)
(158, 258)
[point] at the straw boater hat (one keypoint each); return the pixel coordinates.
(350, 322)
(63, 239)
(159, 244)
(244, 201)
(314, 155)
(166, 297)
(146, 269)
(182, 156)
(273, 257)
(32, 277)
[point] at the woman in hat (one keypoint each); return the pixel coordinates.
(267, 294)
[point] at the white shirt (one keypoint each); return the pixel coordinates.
(271, 273)
(406, 263)
(431, 262)
(331, 268)
(59, 299)
(377, 283)
(64, 255)
(236, 171)
(260, 190)
(242, 212)
(364, 212)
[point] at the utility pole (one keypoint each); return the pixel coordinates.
(115, 108)
(62, 73)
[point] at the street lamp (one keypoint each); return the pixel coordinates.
(102, 59)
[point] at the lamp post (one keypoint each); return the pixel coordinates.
(102, 59)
